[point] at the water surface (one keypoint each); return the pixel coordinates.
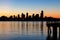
(23, 31)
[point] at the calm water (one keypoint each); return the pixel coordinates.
(23, 31)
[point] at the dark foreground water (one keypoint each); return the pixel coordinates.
(24, 31)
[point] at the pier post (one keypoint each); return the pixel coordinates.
(54, 33)
(49, 31)
(59, 33)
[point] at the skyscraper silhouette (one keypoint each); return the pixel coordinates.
(42, 14)
(27, 16)
(23, 16)
(18, 16)
(33, 17)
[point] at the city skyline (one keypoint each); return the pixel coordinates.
(14, 7)
(27, 17)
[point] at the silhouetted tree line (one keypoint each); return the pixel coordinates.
(28, 17)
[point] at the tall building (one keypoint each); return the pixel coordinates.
(33, 16)
(18, 16)
(41, 14)
(27, 15)
(23, 16)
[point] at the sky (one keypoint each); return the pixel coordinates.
(14, 7)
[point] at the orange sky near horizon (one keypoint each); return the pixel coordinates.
(7, 11)
(52, 13)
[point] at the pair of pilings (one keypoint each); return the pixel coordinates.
(54, 36)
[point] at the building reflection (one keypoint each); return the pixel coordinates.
(27, 27)
(33, 27)
(42, 27)
(14, 26)
(11, 26)
(37, 26)
(22, 27)
(18, 27)
(3, 28)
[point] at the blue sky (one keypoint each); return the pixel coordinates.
(31, 3)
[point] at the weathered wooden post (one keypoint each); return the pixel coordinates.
(54, 32)
(49, 33)
(59, 33)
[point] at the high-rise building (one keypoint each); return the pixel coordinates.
(23, 16)
(33, 16)
(27, 15)
(41, 14)
(18, 16)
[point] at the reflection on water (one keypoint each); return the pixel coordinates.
(23, 31)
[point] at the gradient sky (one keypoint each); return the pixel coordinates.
(11, 7)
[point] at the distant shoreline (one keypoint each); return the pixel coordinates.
(32, 21)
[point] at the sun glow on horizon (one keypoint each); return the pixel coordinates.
(16, 12)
